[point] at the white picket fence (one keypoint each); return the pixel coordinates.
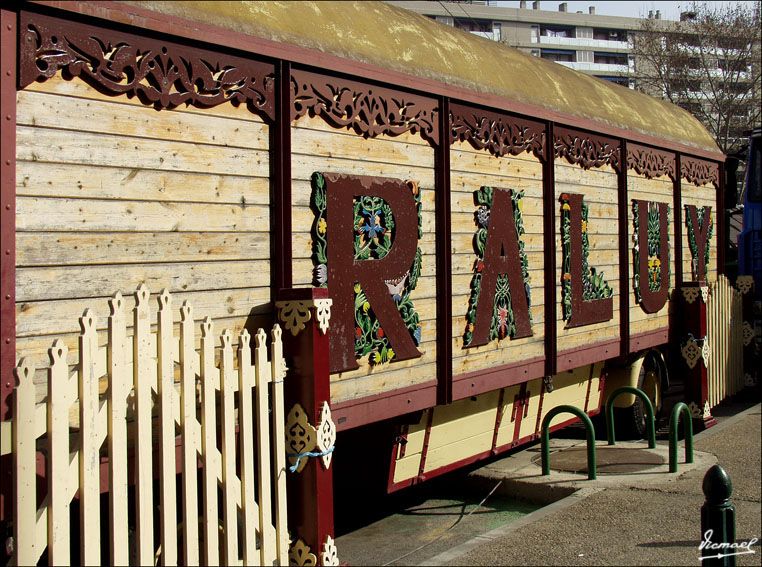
(238, 401)
(724, 322)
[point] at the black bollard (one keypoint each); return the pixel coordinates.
(718, 520)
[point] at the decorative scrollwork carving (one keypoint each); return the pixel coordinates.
(300, 554)
(745, 284)
(369, 110)
(748, 333)
(499, 134)
(650, 161)
(700, 172)
(692, 352)
(294, 314)
(323, 313)
(587, 150)
(301, 436)
(326, 434)
(330, 555)
(698, 412)
(690, 294)
(160, 73)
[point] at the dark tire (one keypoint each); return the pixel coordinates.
(630, 423)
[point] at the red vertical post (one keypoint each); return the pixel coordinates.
(310, 432)
(694, 350)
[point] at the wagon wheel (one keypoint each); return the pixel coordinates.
(631, 421)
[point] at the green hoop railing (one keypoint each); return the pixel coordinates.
(650, 426)
(674, 419)
(591, 464)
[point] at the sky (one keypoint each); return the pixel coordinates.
(634, 9)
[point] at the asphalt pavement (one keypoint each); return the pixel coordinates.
(635, 513)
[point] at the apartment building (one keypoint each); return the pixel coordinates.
(593, 44)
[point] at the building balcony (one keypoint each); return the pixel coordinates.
(583, 42)
(595, 67)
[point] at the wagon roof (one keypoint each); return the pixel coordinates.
(389, 37)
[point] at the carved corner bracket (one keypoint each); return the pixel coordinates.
(690, 294)
(700, 172)
(748, 333)
(330, 555)
(294, 314)
(698, 412)
(302, 438)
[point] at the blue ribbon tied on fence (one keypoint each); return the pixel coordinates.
(299, 457)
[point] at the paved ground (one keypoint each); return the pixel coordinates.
(635, 513)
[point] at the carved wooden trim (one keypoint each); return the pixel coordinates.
(301, 437)
(300, 554)
(500, 134)
(369, 110)
(587, 150)
(160, 73)
(329, 555)
(745, 284)
(326, 434)
(650, 161)
(699, 171)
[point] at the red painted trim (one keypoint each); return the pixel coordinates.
(281, 254)
(588, 354)
(8, 37)
(678, 236)
(624, 255)
(549, 249)
(425, 449)
(523, 408)
(489, 379)
(589, 385)
(370, 409)
(8, 211)
(538, 422)
(649, 339)
(147, 19)
(443, 261)
(498, 418)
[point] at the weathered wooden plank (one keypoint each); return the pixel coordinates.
(252, 509)
(59, 317)
(303, 166)
(38, 284)
(77, 88)
(83, 248)
(45, 179)
(58, 146)
(278, 462)
(44, 110)
(358, 387)
(53, 214)
(483, 163)
(28, 549)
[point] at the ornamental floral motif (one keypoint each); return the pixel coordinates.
(593, 284)
(374, 237)
(692, 240)
(503, 322)
(587, 151)
(655, 262)
(700, 172)
(650, 162)
(500, 134)
(369, 110)
(160, 73)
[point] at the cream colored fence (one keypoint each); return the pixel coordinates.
(724, 322)
(224, 425)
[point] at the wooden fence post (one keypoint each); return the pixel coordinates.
(310, 431)
(695, 350)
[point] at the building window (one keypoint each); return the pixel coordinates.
(559, 55)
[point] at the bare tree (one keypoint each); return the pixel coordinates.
(708, 63)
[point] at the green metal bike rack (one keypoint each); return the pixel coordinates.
(650, 426)
(591, 464)
(674, 419)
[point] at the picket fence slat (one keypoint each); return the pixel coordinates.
(725, 336)
(161, 396)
